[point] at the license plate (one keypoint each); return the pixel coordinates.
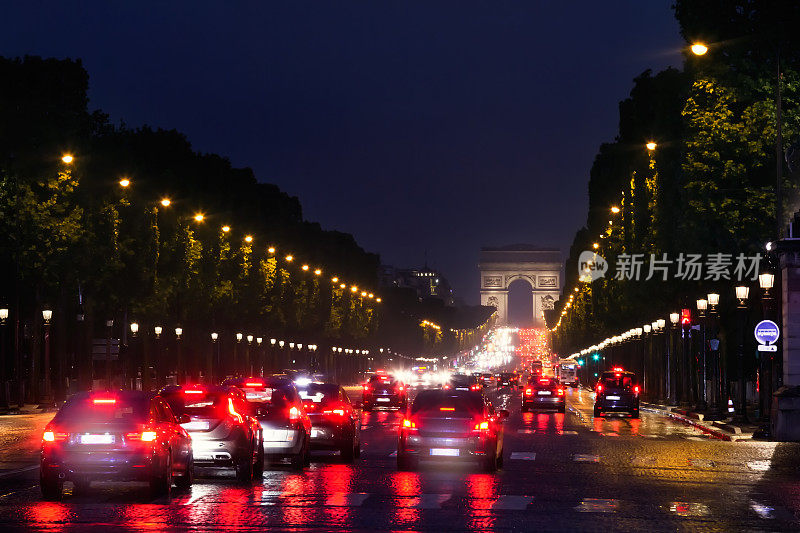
(462, 388)
(612, 397)
(196, 425)
(90, 438)
(544, 393)
(383, 399)
(445, 452)
(314, 433)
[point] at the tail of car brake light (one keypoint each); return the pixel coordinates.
(408, 425)
(366, 387)
(141, 436)
(599, 388)
(528, 391)
(481, 426)
(561, 392)
(475, 387)
(54, 436)
(636, 389)
(334, 410)
(233, 412)
(294, 414)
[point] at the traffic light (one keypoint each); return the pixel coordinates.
(596, 356)
(580, 362)
(686, 317)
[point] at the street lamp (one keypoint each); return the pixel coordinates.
(651, 146)
(67, 158)
(47, 400)
(214, 336)
(742, 292)
(199, 217)
(134, 329)
(766, 361)
(699, 49)
(178, 362)
(4, 401)
(124, 182)
(165, 202)
(248, 239)
(226, 229)
(157, 330)
(766, 281)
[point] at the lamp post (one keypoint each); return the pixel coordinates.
(272, 357)
(4, 400)
(260, 349)
(248, 370)
(47, 397)
(766, 281)
(134, 359)
(159, 364)
(742, 292)
(239, 337)
(671, 357)
(109, 327)
(647, 344)
(702, 306)
(179, 373)
(210, 359)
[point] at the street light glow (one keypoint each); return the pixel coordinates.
(614, 209)
(318, 272)
(699, 49)
(165, 202)
(199, 217)
(271, 249)
(226, 229)
(248, 239)
(124, 182)
(651, 146)
(289, 258)
(596, 246)
(304, 267)
(67, 158)
(335, 280)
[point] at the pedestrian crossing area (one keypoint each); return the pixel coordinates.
(494, 503)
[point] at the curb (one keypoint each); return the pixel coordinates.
(716, 433)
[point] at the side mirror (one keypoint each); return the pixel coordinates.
(184, 419)
(504, 413)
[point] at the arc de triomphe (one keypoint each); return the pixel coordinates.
(540, 267)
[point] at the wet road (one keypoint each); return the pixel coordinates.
(561, 472)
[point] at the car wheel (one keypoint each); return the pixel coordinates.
(161, 484)
(597, 412)
(185, 481)
(258, 471)
(299, 461)
(490, 464)
(52, 488)
(405, 463)
(244, 466)
(635, 414)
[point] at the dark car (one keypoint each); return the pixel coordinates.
(543, 393)
(285, 425)
(507, 380)
(335, 423)
(446, 425)
(617, 391)
(115, 436)
(224, 435)
(463, 382)
(383, 390)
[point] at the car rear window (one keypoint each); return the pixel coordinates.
(202, 405)
(433, 402)
(94, 410)
(621, 381)
(383, 380)
(319, 393)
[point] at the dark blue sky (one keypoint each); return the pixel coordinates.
(414, 125)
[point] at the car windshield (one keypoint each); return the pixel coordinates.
(102, 409)
(434, 401)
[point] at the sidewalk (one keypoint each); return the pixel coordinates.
(726, 429)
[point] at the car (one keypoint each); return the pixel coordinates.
(224, 434)
(617, 391)
(450, 425)
(115, 436)
(285, 424)
(507, 379)
(488, 379)
(335, 422)
(463, 382)
(383, 390)
(543, 393)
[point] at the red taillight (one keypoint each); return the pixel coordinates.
(193, 391)
(561, 392)
(409, 425)
(366, 387)
(481, 426)
(233, 412)
(104, 401)
(310, 406)
(599, 388)
(446, 386)
(254, 384)
(544, 380)
(53, 436)
(447, 408)
(636, 389)
(475, 387)
(400, 388)
(528, 391)
(294, 414)
(333, 412)
(144, 436)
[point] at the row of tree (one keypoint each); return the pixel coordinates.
(708, 183)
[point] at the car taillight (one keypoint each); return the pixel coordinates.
(636, 389)
(104, 401)
(446, 386)
(366, 388)
(408, 424)
(333, 412)
(233, 412)
(599, 388)
(53, 436)
(528, 391)
(193, 391)
(561, 392)
(400, 388)
(144, 436)
(481, 426)
(475, 387)
(253, 384)
(294, 414)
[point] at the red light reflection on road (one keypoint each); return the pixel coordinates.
(336, 481)
(597, 424)
(48, 513)
(635, 424)
(559, 422)
(542, 421)
(407, 486)
(482, 489)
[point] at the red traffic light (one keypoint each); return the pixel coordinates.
(686, 317)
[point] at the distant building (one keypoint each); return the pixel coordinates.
(427, 283)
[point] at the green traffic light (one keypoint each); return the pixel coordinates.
(596, 356)
(580, 362)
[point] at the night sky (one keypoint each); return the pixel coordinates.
(414, 125)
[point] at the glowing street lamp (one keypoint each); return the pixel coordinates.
(271, 249)
(651, 146)
(165, 202)
(699, 49)
(67, 158)
(614, 209)
(248, 239)
(289, 258)
(199, 217)
(226, 229)
(134, 328)
(124, 182)
(317, 271)
(157, 330)
(304, 267)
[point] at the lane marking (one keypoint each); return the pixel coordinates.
(695, 438)
(430, 501)
(523, 456)
(569, 432)
(19, 471)
(763, 511)
(346, 499)
(597, 505)
(701, 463)
(508, 502)
(758, 466)
(610, 434)
(585, 458)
